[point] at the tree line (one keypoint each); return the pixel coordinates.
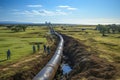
(17, 28)
(107, 29)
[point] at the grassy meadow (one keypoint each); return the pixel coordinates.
(107, 47)
(20, 43)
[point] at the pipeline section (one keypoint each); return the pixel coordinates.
(48, 72)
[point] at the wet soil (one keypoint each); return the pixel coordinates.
(84, 64)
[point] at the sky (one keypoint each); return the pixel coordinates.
(61, 11)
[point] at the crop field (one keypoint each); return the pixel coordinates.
(19, 43)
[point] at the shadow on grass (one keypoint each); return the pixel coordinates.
(3, 60)
(10, 32)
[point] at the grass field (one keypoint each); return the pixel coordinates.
(107, 47)
(19, 43)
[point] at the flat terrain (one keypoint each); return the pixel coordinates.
(24, 64)
(99, 54)
(19, 43)
(107, 48)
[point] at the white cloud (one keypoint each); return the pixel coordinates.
(34, 6)
(67, 7)
(40, 12)
(63, 6)
(72, 8)
(93, 21)
(60, 12)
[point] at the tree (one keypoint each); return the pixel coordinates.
(17, 28)
(108, 28)
(113, 28)
(102, 29)
(99, 27)
(118, 28)
(9, 26)
(24, 27)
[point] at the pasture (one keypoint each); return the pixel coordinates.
(20, 43)
(107, 47)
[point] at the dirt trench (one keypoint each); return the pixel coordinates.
(85, 65)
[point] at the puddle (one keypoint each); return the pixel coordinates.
(66, 68)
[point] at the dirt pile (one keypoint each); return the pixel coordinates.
(85, 64)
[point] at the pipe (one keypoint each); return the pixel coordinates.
(48, 72)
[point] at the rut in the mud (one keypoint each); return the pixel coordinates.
(84, 64)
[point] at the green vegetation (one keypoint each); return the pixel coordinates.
(17, 28)
(106, 46)
(108, 29)
(20, 43)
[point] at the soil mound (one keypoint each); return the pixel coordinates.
(85, 64)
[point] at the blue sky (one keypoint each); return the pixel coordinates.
(61, 11)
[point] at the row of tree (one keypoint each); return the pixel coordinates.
(108, 29)
(17, 28)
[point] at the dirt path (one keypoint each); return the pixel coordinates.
(85, 65)
(27, 67)
(23, 61)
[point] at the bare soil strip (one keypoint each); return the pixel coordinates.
(27, 68)
(18, 64)
(86, 66)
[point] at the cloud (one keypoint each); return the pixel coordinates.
(34, 6)
(67, 7)
(40, 12)
(94, 21)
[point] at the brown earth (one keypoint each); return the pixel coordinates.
(27, 67)
(85, 64)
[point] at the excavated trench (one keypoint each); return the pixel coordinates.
(81, 64)
(77, 63)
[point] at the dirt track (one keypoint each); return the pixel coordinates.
(27, 69)
(84, 64)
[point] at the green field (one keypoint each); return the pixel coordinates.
(107, 47)
(20, 43)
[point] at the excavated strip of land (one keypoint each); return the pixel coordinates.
(85, 64)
